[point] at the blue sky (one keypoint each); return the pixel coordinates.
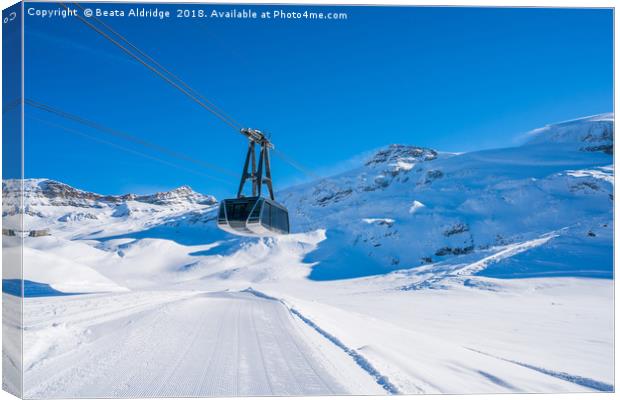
(454, 79)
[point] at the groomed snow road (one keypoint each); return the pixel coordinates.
(178, 344)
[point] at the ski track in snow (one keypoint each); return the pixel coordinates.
(215, 344)
(579, 380)
(359, 359)
(471, 269)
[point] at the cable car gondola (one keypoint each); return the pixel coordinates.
(254, 215)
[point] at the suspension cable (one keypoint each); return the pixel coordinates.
(126, 136)
(126, 149)
(180, 85)
(160, 74)
(156, 63)
(295, 164)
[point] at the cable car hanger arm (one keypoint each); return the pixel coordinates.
(264, 164)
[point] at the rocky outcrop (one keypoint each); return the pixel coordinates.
(395, 153)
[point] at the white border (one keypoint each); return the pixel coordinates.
(476, 3)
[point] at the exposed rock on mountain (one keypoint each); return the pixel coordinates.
(595, 133)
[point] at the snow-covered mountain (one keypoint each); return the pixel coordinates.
(47, 192)
(404, 207)
(69, 231)
(48, 204)
(408, 206)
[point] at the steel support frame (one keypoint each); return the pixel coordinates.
(250, 170)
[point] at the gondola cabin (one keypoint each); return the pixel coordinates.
(253, 216)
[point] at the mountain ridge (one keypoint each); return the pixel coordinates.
(42, 191)
(401, 208)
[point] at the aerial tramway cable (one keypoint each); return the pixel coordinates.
(127, 136)
(167, 71)
(255, 215)
(181, 85)
(125, 149)
(159, 73)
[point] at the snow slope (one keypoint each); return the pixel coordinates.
(181, 344)
(390, 283)
(384, 217)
